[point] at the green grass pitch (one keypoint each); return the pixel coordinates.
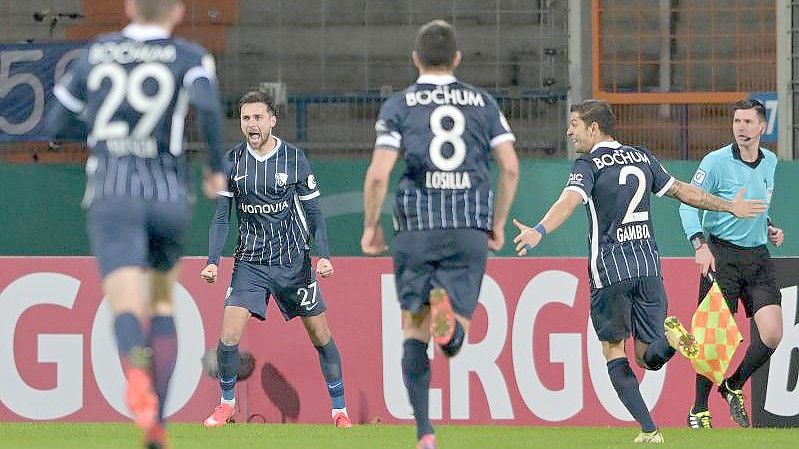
(257, 436)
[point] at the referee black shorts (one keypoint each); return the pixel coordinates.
(743, 273)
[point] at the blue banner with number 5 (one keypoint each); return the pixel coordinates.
(27, 75)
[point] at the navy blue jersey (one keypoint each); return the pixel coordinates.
(615, 182)
(133, 89)
(447, 130)
(268, 193)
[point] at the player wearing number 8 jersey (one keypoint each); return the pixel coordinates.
(446, 214)
(614, 181)
(132, 90)
(276, 198)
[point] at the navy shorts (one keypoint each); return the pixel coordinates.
(126, 232)
(633, 306)
(452, 259)
(747, 274)
(293, 286)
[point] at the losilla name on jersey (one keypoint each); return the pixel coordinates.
(633, 232)
(621, 157)
(453, 180)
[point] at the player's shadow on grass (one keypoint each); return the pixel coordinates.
(281, 393)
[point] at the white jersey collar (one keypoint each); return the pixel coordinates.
(612, 144)
(266, 156)
(438, 80)
(142, 32)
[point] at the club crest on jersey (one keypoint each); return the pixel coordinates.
(281, 179)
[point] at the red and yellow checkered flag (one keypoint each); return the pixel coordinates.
(716, 334)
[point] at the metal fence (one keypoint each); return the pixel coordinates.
(671, 67)
(338, 59)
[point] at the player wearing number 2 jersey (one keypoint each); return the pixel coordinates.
(614, 181)
(132, 89)
(446, 214)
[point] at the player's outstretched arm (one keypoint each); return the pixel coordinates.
(508, 162)
(529, 237)
(375, 187)
(694, 196)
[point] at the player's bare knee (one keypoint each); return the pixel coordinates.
(772, 338)
(162, 307)
(613, 349)
(416, 326)
(320, 335)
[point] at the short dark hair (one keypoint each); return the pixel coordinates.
(598, 111)
(751, 104)
(435, 44)
(256, 96)
(155, 10)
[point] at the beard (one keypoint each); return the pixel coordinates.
(257, 142)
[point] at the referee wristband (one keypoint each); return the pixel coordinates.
(541, 229)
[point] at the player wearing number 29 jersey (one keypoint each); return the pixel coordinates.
(132, 90)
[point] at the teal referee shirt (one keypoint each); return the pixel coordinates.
(723, 173)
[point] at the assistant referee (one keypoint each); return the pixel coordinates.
(735, 251)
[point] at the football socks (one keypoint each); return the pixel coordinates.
(330, 361)
(164, 342)
(626, 385)
(228, 359)
(416, 373)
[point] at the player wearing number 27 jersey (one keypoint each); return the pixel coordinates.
(132, 90)
(446, 213)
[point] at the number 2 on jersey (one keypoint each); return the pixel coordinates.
(130, 87)
(632, 216)
(453, 136)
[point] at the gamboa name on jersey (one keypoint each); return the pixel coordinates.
(633, 232)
